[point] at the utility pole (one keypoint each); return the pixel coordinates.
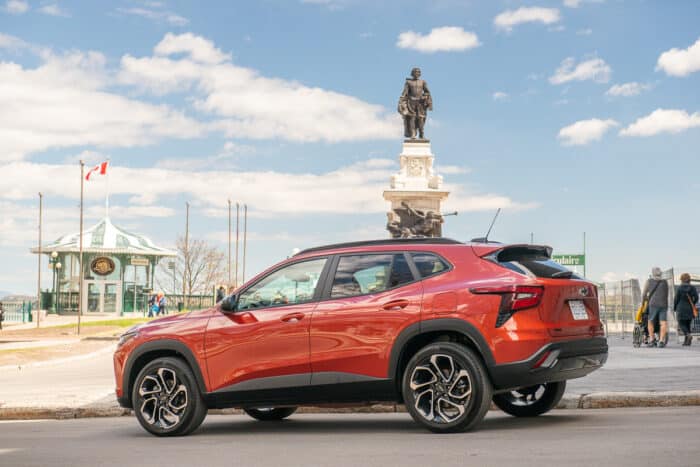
(238, 212)
(532, 238)
(245, 237)
(229, 243)
(38, 282)
(186, 268)
(82, 267)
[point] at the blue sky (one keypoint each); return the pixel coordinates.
(571, 115)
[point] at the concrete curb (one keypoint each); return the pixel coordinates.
(600, 400)
(55, 361)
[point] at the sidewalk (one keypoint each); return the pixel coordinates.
(84, 385)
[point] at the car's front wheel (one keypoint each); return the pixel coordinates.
(166, 398)
(531, 401)
(445, 388)
(271, 414)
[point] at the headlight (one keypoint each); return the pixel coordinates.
(127, 336)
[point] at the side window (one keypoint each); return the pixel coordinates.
(290, 285)
(363, 274)
(428, 264)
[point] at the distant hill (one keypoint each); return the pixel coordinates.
(4, 293)
(10, 297)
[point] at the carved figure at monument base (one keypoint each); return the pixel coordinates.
(415, 223)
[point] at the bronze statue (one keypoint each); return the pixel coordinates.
(414, 103)
(415, 223)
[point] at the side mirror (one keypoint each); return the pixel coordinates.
(228, 304)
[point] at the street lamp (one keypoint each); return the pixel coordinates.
(56, 266)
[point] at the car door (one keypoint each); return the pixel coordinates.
(368, 300)
(264, 343)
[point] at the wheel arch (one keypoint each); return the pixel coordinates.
(418, 335)
(151, 350)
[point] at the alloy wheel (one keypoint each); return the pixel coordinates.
(524, 397)
(441, 388)
(165, 398)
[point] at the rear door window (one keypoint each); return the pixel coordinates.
(372, 273)
(429, 264)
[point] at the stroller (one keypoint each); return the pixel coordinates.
(640, 335)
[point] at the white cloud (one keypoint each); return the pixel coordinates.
(348, 190)
(16, 7)
(52, 9)
(627, 89)
(156, 15)
(577, 3)
(65, 102)
(611, 276)
(444, 39)
(585, 131)
(680, 62)
(253, 106)
(584, 32)
(662, 121)
(499, 96)
(451, 170)
(12, 43)
(594, 69)
(510, 18)
(199, 49)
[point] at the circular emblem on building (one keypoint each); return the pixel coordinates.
(102, 266)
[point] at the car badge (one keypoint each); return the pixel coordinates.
(583, 291)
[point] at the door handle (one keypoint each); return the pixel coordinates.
(395, 305)
(292, 317)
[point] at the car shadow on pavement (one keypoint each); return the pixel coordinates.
(226, 425)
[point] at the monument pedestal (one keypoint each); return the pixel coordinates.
(415, 193)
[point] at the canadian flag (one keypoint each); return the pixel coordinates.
(99, 169)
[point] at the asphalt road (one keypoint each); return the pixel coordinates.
(613, 437)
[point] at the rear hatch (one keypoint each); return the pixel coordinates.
(569, 304)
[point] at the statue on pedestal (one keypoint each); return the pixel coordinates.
(415, 223)
(414, 103)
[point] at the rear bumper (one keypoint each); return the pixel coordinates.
(557, 361)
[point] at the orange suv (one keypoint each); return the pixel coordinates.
(441, 326)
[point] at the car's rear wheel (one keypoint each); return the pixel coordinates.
(445, 388)
(531, 401)
(166, 398)
(270, 414)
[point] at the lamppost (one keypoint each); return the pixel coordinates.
(56, 266)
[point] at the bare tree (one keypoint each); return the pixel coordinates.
(200, 267)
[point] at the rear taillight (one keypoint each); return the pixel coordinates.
(513, 298)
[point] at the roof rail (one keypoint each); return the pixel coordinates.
(391, 241)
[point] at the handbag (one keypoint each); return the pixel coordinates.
(692, 305)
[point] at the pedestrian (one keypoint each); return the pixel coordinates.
(153, 306)
(684, 305)
(161, 303)
(2, 316)
(220, 294)
(656, 293)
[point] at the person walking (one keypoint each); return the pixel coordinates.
(656, 292)
(161, 303)
(153, 306)
(2, 316)
(685, 305)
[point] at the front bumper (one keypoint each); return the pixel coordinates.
(557, 361)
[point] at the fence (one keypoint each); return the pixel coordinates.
(620, 300)
(17, 312)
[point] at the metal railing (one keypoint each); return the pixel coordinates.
(17, 312)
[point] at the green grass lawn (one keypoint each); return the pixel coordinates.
(122, 323)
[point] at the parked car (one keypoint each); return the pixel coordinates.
(441, 326)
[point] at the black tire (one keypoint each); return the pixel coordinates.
(637, 335)
(455, 409)
(531, 401)
(272, 414)
(168, 385)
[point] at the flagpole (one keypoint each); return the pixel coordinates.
(107, 170)
(229, 243)
(38, 282)
(245, 237)
(82, 268)
(238, 210)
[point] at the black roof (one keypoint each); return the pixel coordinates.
(390, 241)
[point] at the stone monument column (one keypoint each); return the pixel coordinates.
(415, 192)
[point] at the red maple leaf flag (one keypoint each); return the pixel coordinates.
(99, 169)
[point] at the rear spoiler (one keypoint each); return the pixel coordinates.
(511, 252)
